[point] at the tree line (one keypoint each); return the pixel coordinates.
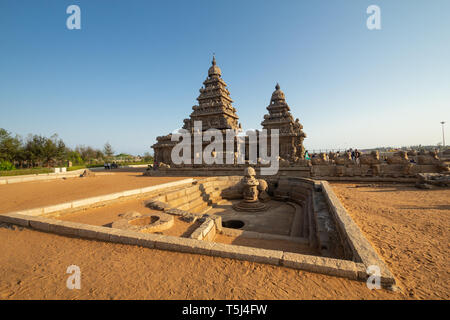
(40, 151)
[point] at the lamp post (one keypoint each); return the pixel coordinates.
(443, 136)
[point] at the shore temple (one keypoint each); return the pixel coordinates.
(215, 110)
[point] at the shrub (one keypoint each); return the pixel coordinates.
(6, 166)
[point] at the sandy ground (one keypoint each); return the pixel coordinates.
(408, 227)
(410, 230)
(33, 266)
(28, 195)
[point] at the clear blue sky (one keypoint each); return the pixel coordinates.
(134, 69)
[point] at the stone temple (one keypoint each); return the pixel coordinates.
(215, 110)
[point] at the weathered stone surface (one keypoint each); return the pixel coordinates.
(183, 245)
(65, 227)
(246, 253)
(329, 266)
(156, 205)
(40, 223)
(15, 218)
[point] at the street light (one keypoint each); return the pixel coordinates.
(443, 136)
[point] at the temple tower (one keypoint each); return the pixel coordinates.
(214, 107)
(291, 135)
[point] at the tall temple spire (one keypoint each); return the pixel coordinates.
(214, 107)
(280, 117)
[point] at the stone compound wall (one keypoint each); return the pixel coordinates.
(332, 172)
(322, 218)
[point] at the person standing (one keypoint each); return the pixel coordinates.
(307, 157)
(357, 156)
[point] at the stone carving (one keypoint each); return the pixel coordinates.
(250, 193)
(430, 158)
(412, 153)
(291, 135)
(370, 159)
(282, 162)
(164, 166)
(263, 189)
(400, 157)
(344, 159)
(320, 160)
(426, 180)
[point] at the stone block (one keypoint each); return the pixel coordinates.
(246, 253)
(178, 202)
(40, 223)
(148, 240)
(329, 266)
(15, 218)
(183, 245)
(65, 227)
(88, 232)
(175, 195)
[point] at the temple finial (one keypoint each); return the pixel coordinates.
(214, 59)
(277, 86)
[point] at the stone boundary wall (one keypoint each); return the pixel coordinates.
(40, 177)
(360, 246)
(101, 199)
(350, 172)
(329, 266)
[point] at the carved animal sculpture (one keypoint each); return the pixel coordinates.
(370, 159)
(321, 160)
(283, 163)
(344, 159)
(400, 157)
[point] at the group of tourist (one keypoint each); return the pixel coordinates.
(355, 155)
(109, 166)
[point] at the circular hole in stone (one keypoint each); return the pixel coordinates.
(234, 224)
(143, 221)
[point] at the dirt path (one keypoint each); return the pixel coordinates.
(410, 229)
(28, 195)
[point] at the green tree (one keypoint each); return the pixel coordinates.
(148, 157)
(10, 147)
(108, 150)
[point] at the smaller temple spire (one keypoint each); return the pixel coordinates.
(214, 59)
(277, 87)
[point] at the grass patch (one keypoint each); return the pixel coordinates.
(21, 172)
